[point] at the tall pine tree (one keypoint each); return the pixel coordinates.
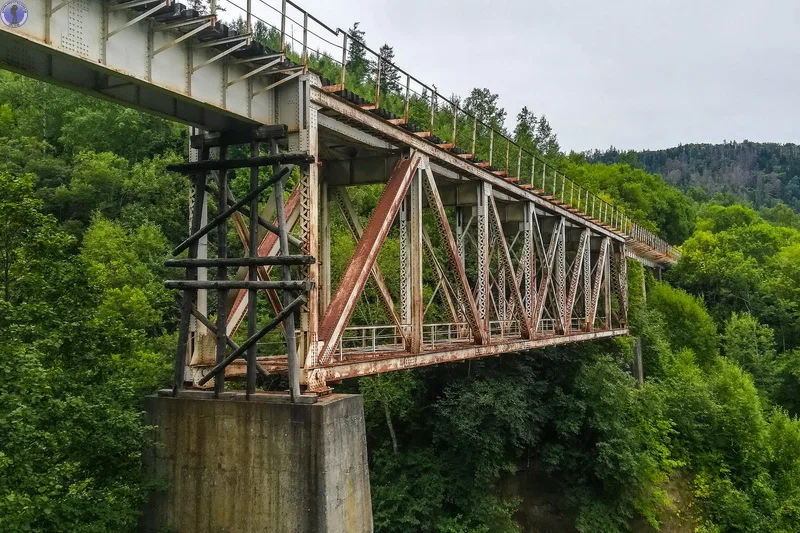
(357, 63)
(390, 78)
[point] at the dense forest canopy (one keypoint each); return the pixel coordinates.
(762, 174)
(560, 439)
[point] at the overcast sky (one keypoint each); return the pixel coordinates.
(629, 73)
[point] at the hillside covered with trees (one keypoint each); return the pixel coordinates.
(562, 439)
(762, 174)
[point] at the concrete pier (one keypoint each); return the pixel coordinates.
(263, 466)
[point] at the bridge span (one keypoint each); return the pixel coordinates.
(517, 255)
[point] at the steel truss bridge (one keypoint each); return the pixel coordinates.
(518, 255)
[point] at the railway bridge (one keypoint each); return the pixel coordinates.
(476, 246)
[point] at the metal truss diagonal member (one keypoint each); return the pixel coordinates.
(360, 266)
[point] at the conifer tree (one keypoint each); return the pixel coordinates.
(357, 62)
(390, 78)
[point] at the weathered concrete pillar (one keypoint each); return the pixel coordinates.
(263, 465)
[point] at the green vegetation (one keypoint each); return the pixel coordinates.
(643, 196)
(760, 173)
(563, 436)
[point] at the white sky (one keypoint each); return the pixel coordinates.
(630, 73)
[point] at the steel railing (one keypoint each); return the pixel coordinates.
(370, 339)
(445, 333)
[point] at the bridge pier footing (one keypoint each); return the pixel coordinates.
(264, 465)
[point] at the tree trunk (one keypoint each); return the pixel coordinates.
(391, 426)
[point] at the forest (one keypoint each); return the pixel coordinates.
(762, 174)
(561, 439)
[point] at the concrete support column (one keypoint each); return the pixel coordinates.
(259, 466)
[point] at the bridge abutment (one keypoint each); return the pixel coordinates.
(264, 465)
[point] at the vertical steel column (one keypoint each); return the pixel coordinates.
(189, 295)
(455, 121)
(198, 347)
(619, 280)
(198, 328)
(344, 59)
(305, 39)
(433, 110)
(607, 285)
(502, 301)
(474, 136)
(252, 293)
(286, 275)
(405, 262)
(325, 247)
(283, 26)
(561, 273)
(482, 298)
(249, 14)
(587, 280)
(460, 234)
(638, 361)
(407, 98)
(491, 146)
(415, 256)
(644, 289)
(378, 70)
(222, 273)
(623, 284)
(529, 263)
(48, 15)
(202, 275)
(411, 264)
(310, 317)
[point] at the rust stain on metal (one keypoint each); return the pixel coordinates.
(454, 353)
(357, 272)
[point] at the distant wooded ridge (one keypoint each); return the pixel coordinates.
(761, 173)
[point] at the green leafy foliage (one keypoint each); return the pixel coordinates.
(738, 262)
(690, 325)
(760, 173)
(74, 375)
(644, 197)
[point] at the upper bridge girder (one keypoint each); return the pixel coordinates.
(366, 166)
(343, 111)
(147, 63)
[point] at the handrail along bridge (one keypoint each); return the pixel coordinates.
(518, 255)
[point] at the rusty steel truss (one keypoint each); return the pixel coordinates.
(475, 247)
